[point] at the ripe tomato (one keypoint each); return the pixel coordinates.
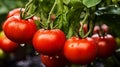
(6, 44)
(53, 61)
(49, 42)
(106, 45)
(80, 51)
(15, 11)
(19, 30)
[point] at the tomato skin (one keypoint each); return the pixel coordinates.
(80, 51)
(106, 45)
(7, 45)
(19, 30)
(49, 42)
(54, 61)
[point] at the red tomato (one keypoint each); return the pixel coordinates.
(15, 12)
(53, 61)
(53, 17)
(96, 29)
(49, 42)
(6, 44)
(106, 45)
(19, 30)
(104, 27)
(80, 51)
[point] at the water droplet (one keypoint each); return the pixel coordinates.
(22, 45)
(36, 53)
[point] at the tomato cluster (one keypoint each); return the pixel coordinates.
(55, 49)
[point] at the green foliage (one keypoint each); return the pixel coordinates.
(110, 15)
(91, 3)
(7, 5)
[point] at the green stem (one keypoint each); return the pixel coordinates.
(82, 23)
(49, 16)
(27, 7)
(90, 30)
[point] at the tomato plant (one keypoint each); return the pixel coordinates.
(49, 42)
(80, 51)
(19, 30)
(6, 44)
(79, 28)
(106, 45)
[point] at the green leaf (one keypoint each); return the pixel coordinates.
(61, 21)
(73, 18)
(45, 7)
(74, 2)
(66, 1)
(91, 3)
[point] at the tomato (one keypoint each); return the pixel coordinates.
(106, 45)
(19, 30)
(53, 17)
(80, 51)
(104, 27)
(54, 61)
(49, 42)
(15, 11)
(6, 44)
(96, 29)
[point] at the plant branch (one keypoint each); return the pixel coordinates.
(82, 23)
(48, 20)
